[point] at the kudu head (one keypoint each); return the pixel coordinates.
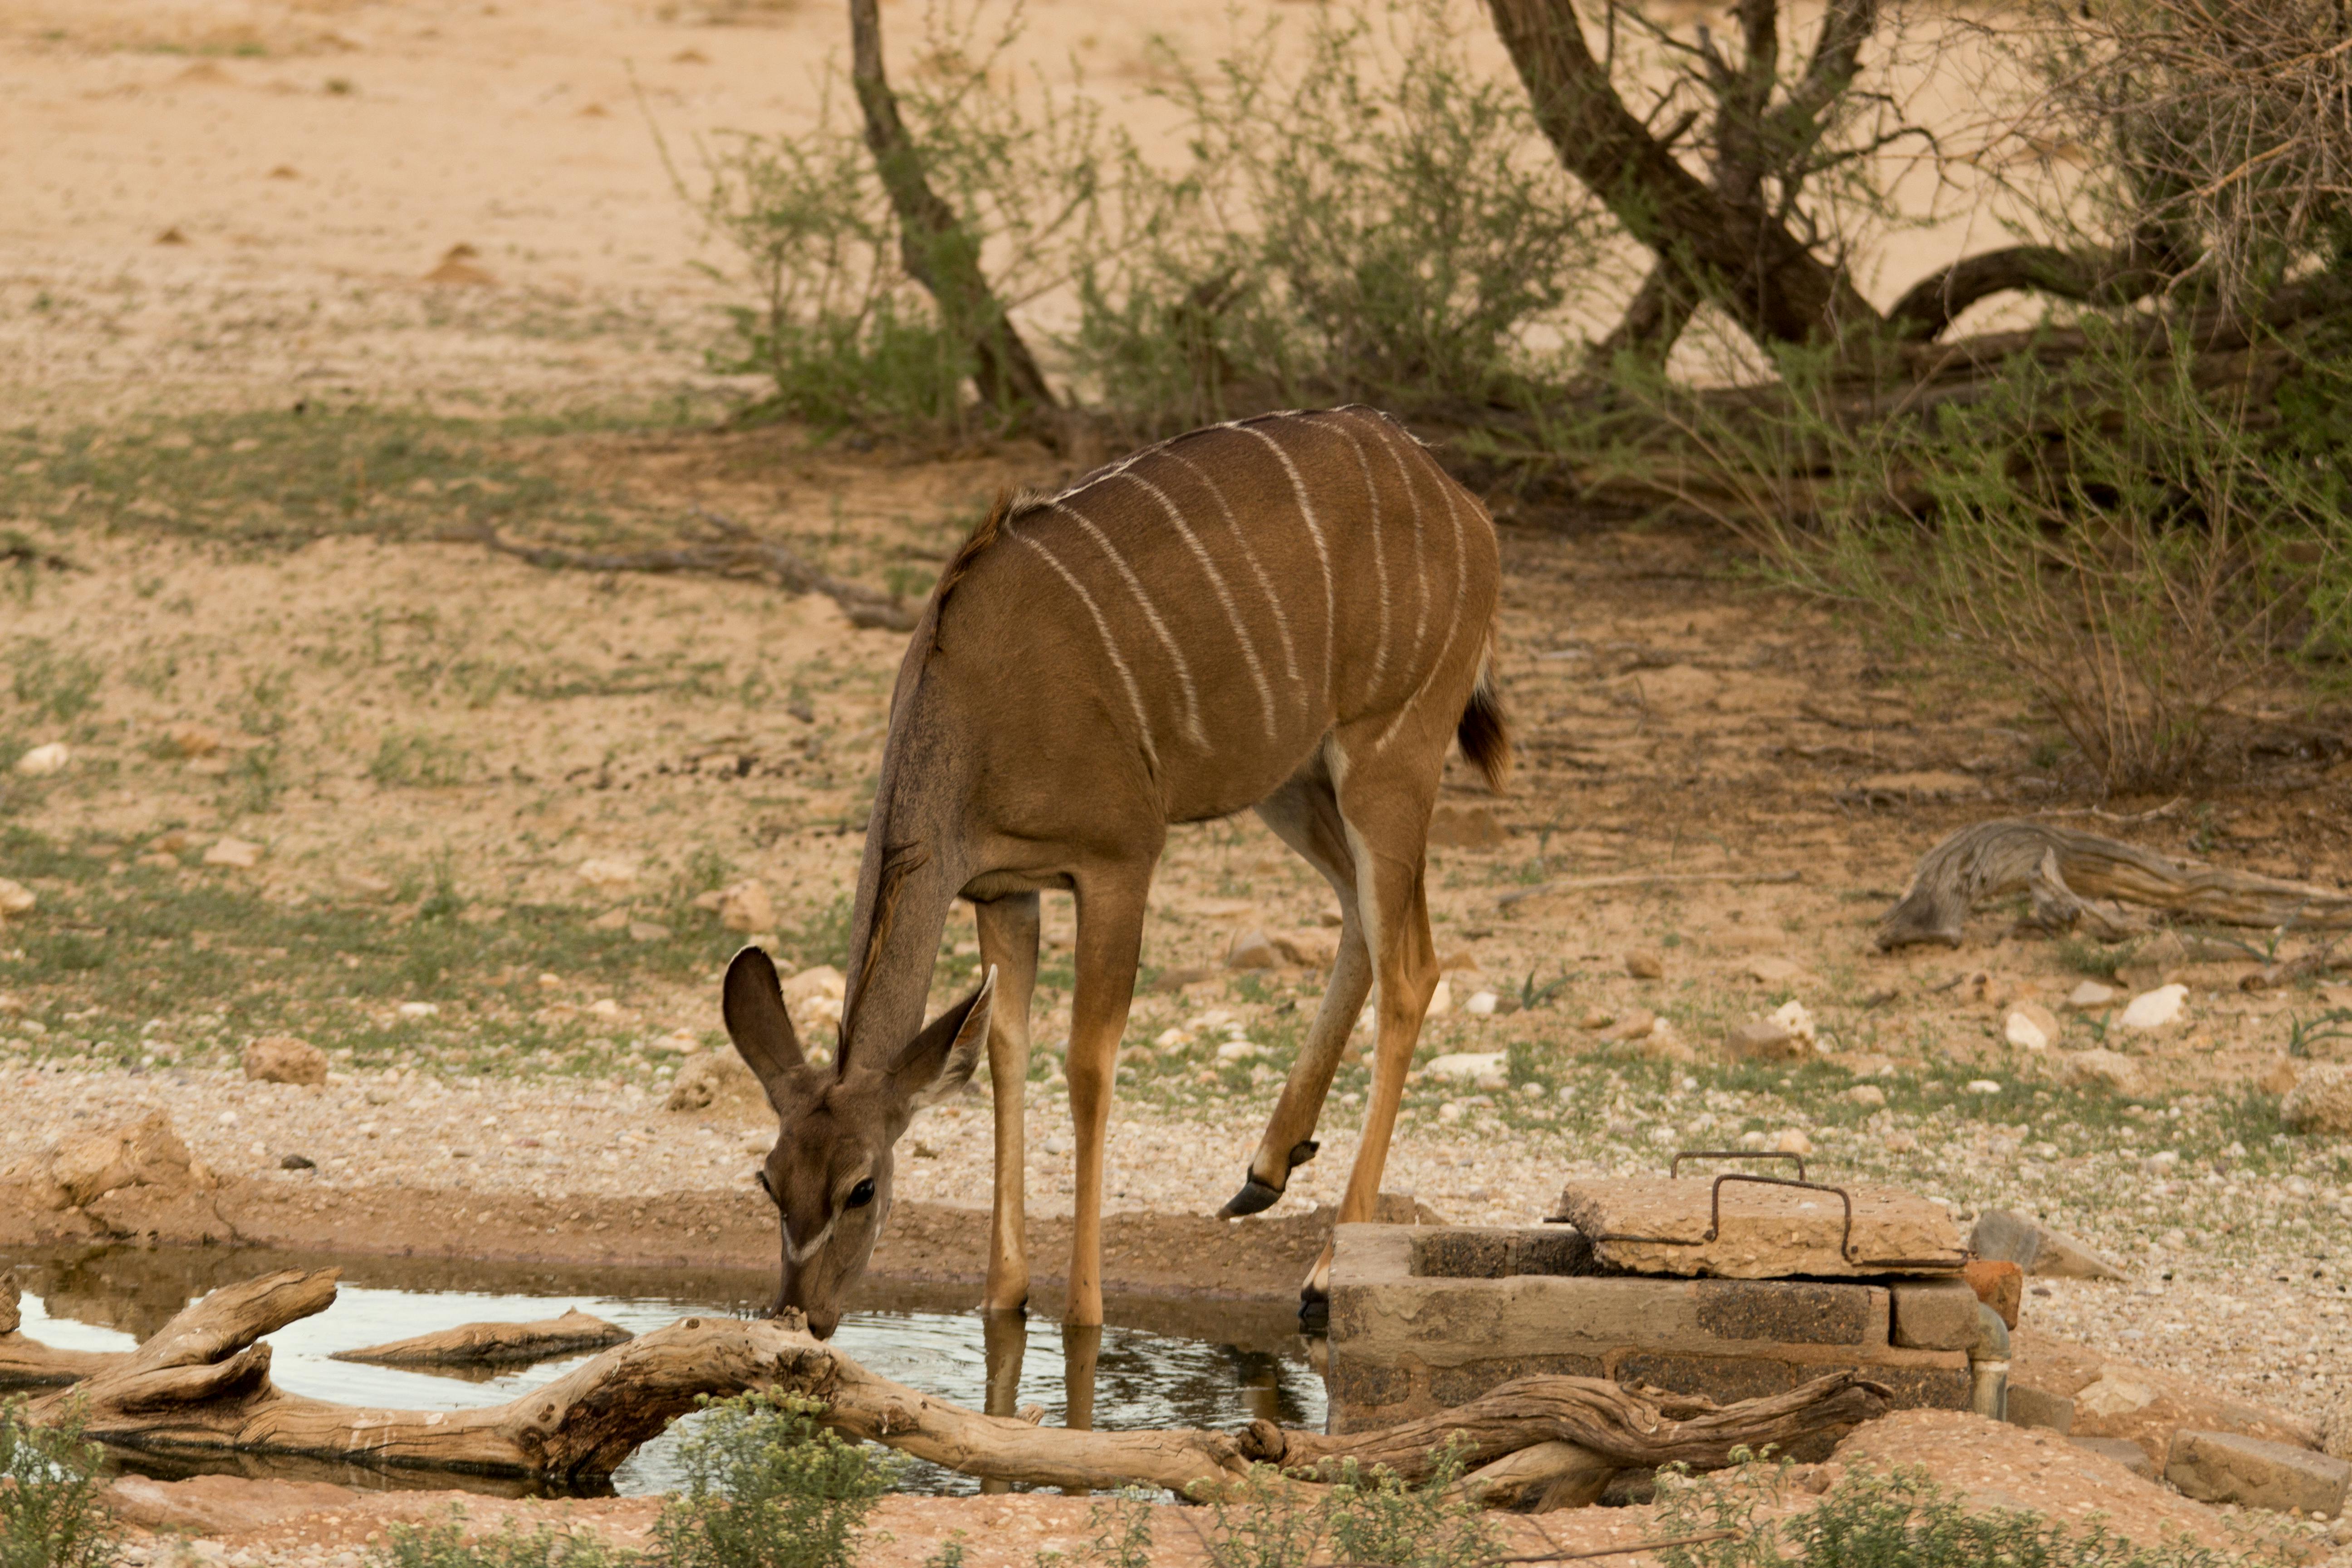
(829, 1173)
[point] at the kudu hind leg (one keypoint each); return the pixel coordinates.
(1304, 815)
(1008, 938)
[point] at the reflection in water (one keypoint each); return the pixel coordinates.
(1159, 1364)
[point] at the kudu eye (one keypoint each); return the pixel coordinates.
(860, 1196)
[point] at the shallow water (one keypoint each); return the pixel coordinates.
(1158, 1364)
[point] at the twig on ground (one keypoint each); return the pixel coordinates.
(737, 552)
(1641, 878)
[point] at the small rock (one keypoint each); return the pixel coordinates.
(284, 1058)
(1790, 1140)
(1313, 950)
(1635, 1025)
(364, 883)
(813, 998)
(1441, 1001)
(1866, 1094)
(2336, 1428)
(1984, 1086)
(2030, 1026)
(1596, 1018)
(648, 931)
(2279, 1078)
(2099, 1069)
(1057, 1145)
(417, 1009)
(717, 1081)
(1999, 1284)
(1645, 963)
(1467, 1064)
(1773, 970)
(2115, 1393)
(144, 1154)
(2154, 1009)
(1240, 1050)
(745, 908)
(604, 1008)
(1764, 1040)
(1251, 949)
(2090, 995)
(16, 898)
(190, 740)
(610, 876)
(1482, 1004)
(43, 760)
(176, 841)
(2122, 1450)
(234, 853)
(2320, 1101)
(611, 920)
(2225, 1467)
(297, 1162)
(1450, 1111)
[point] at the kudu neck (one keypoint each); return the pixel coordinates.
(913, 869)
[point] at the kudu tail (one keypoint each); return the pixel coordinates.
(1485, 730)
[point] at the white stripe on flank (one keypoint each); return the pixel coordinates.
(1420, 577)
(1265, 582)
(1151, 615)
(1126, 675)
(1379, 564)
(1322, 553)
(1225, 595)
(1447, 488)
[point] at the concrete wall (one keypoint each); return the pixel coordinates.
(1427, 1317)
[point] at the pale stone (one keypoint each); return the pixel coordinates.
(2102, 1069)
(2113, 1395)
(648, 931)
(2279, 1078)
(237, 853)
(1238, 1050)
(43, 760)
(417, 1009)
(1866, 1094)
(1467, 1064)
(2321, 1099)
(284, 1058)
(2227, 1467)
(2154, 1009)
(611, 920)
(1314, 950)
(717, 1081)
(1441, 1001)
(359, 882)
(1645, 963)
(1635, 1025)
(2090, 995)
(190, 740)
(143, 1153)
(1774, 971)
(1764, 1039)
(16, 898)
(1791, 1140)
(1482, 1004)
(813, 998)
(2030, 1026)
(1766, 1233)
(745, 908)
(1251, 949)
(1791, 1016)
(609, 875)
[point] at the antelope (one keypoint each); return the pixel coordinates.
(1294, 613)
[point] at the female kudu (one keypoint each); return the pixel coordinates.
(1294, 613)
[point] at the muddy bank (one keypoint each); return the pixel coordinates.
(1258, 1260)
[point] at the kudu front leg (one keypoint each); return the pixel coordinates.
(1008, 938)
(1111, 939)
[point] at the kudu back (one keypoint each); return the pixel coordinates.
(1293, 613)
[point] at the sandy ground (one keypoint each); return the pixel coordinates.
(315, 161)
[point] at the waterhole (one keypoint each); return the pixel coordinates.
(1157, 1362)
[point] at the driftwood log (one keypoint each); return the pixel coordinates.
(29, 1364)
(201, 1384)
(2061, 866)
(494, 1344)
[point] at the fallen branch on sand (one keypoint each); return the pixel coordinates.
(2061, 866)
(735, 552)
(201, 1384)
(1641, 879)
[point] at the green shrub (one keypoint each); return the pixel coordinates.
(1898, 1518)
(50, 1482)
(445, 1545)
(766, 1487)
(2130, 546)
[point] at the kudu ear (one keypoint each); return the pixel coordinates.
(942, 1059)
(753, 1002)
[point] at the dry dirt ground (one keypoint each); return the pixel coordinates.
(484, 803)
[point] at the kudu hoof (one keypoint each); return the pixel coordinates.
(1254, 1197)
(1314, 1311)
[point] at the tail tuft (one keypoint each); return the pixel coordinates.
(1485, 730)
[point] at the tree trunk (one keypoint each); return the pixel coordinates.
(201, 1384)
(933, 245)
(1772, 283)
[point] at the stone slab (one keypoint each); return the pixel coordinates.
(2129, 1455)
(1935, 1314)
(1658, 1225)
(2030, 1406)
(2225, 1467)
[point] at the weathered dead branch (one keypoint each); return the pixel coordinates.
(2062, 864)
(734, 551)
(201, 1384)
(494, 1344)
(29, 1364)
